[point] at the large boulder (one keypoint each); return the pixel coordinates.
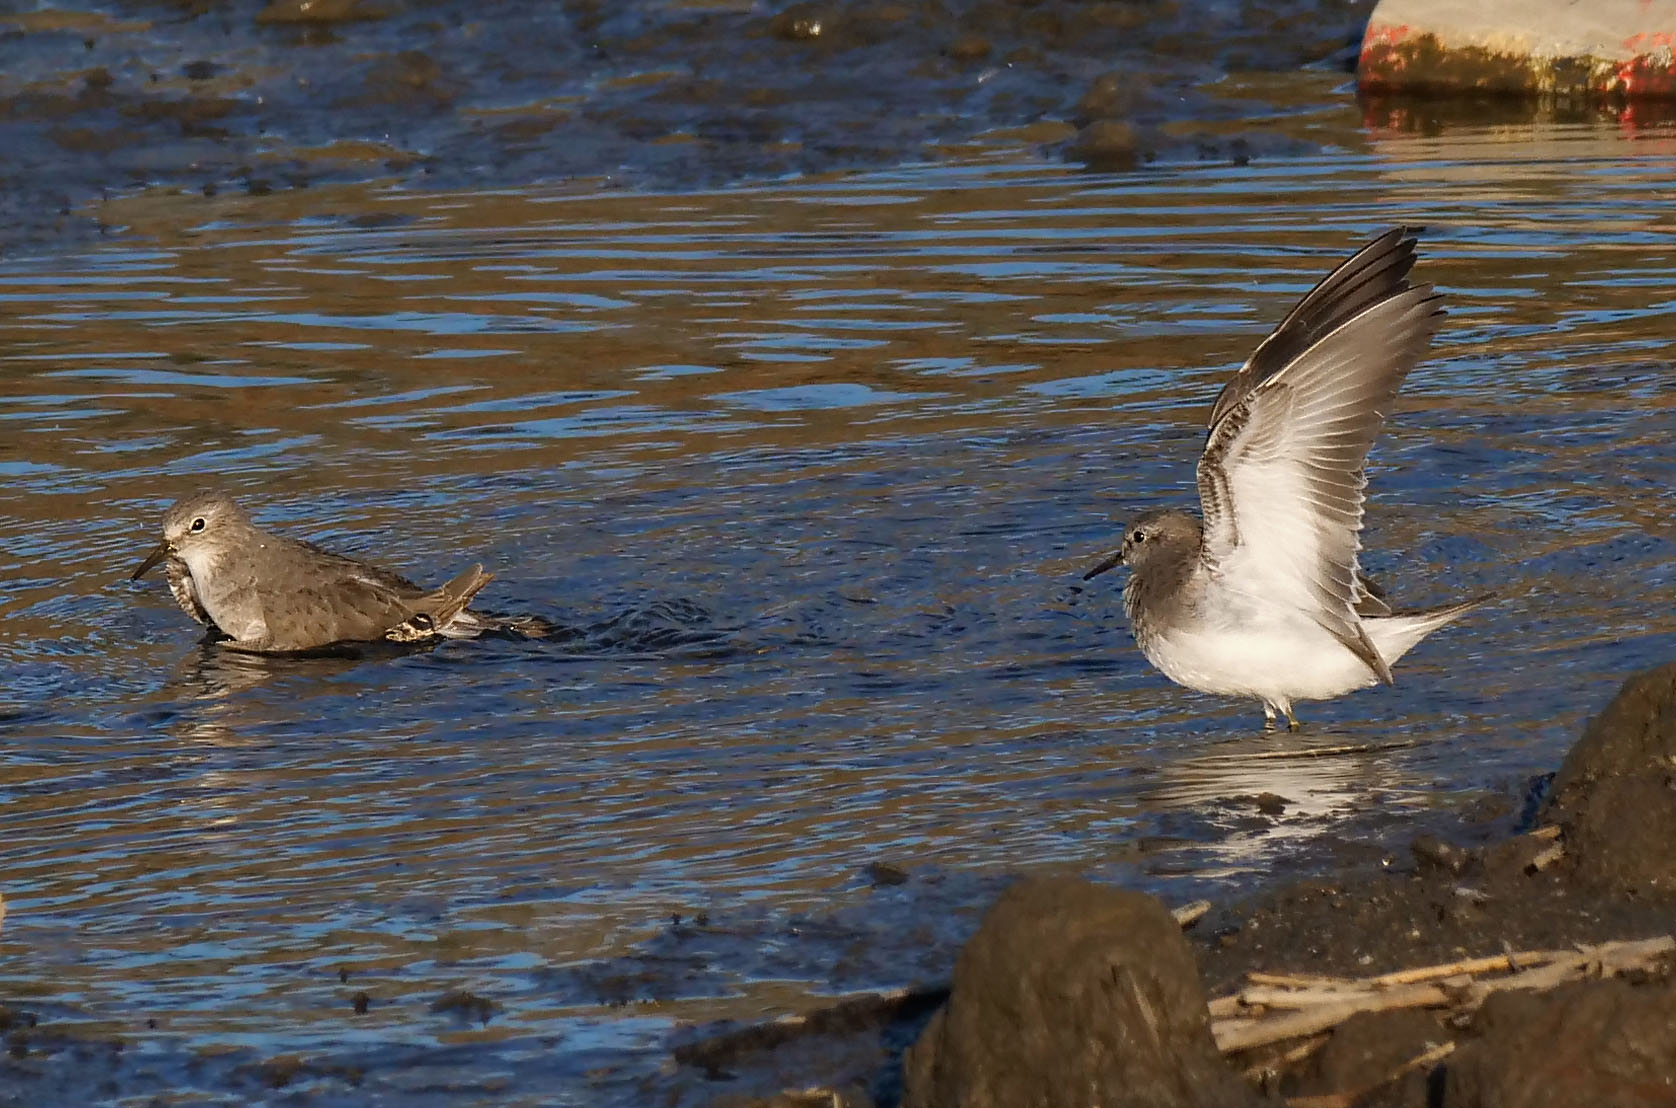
(1616, 791)
(1605, 1043)
(1073, 994)
(1559, 48)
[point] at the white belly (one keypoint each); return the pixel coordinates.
(1279, 663)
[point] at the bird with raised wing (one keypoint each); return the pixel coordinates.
(1264, 598)
(270, 594)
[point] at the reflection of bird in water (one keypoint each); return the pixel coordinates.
(208, 673)
(1277, 795)
(1264, 598)
(271, 594)
(1312, 777)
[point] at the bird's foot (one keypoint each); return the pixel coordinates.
(1270, 719)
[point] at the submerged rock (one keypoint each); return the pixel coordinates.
(1073, 994)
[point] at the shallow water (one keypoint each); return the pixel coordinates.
(809, 471)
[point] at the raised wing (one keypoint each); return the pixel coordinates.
(1375, 272)
(1281, 478)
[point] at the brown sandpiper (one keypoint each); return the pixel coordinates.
(271, 595)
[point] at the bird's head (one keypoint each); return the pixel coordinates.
(194, 527)
(1157, 537)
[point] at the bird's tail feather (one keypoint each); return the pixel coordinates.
(443, 612)
(468, 624)
(450, 600)
(1395, 635)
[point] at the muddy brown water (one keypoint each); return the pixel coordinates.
(808, 472)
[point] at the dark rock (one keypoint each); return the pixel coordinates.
(279, 1072)
(1520, 854)
(410, 78)
(1491, 808)
(803, 22)
(1616, 791)
(1587, 1043)
(1366, 1048)
(1106, 146)
(818, 1097)
(466, 1006)
(1110, 96)
(723, 1051)
(1432, 852)
(883, 873)
(1072, 994)
(317, 12)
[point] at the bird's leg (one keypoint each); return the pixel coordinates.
(1292, 723)
(1268, 717)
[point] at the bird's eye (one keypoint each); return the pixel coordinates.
(198, 524)
(1138, 536)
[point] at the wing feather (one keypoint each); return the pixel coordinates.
(1375, 272)
(1281, 480)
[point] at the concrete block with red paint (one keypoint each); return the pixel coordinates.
(1593, 49)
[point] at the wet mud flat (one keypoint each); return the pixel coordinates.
(1532, 968)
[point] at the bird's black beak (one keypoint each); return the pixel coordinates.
(1110, 563)
(151, 559)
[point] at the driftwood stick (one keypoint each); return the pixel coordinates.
(1424, 1060)
(1191, 912)
(1315, 1004)
(1509, 962)
(1326, 1100)
(1545, 858)
(1240, 1034)
(1288, 1058)
(1538, 977)
(1264, 996)
(1630, 953)
(1603, 960)
(1301, 980)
